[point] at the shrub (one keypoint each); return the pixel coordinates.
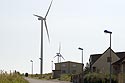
(12, 78)
(65, 77)
(99, 78)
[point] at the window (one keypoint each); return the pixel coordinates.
(63, 65)
(109, 59)
(74, 65)
(94, 69)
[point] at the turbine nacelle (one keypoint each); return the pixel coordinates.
(43, 19)
(58, 53)
(40, 18)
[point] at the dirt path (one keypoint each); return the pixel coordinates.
(44, 81)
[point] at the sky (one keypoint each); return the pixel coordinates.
(73, 23)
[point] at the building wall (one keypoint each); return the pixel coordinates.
(65, 68)
(75, 68)
(123, 68)
(121, 78)
(56, 73)
(123, 72)
(69, 67)
(57, 66)
(101, 65)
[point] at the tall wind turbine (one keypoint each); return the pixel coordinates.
(43, 19)
(58, 55)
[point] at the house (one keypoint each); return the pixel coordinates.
(67, 67)
(119, 69)
(100, 63)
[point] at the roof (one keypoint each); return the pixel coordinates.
(95, 57)
(69, 62)
(119, 61)
(120, 54)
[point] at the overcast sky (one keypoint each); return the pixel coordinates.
(74, 23)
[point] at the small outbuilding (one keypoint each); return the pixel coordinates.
(67, 67)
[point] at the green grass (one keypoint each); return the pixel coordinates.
(99, 78)
(12, 78)
(65, 77)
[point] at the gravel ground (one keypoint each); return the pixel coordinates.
(44, 81)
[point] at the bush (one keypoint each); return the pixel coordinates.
(99, 78)
(65, 77)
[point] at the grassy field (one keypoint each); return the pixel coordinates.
(12, 78)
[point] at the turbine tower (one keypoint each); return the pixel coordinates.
(43, 19)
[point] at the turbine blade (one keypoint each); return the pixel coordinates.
(37, 16)
(48, 9)
(59, 47)
(47, 30)
(54, 56)
(62, 56)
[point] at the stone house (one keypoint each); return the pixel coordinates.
(67, 67)
(101, 63)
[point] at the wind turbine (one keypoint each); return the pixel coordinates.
(59, 55)
(43, 19)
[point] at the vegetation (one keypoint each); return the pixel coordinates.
(65, 77)
(12, 78)
(99, 78)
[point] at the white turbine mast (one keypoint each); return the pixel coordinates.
(43, 19)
